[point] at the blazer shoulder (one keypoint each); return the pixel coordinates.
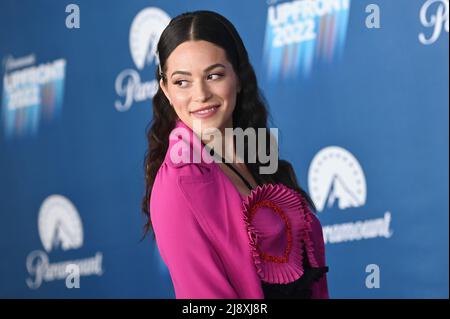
(168, 180)
(181, 171)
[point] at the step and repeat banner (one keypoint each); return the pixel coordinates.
(358, 90)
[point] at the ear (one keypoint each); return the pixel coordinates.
(164, 89)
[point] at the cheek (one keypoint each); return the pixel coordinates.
(230, 95)
(226, 90)
(180, 102)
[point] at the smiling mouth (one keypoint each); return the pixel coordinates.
(207, 110)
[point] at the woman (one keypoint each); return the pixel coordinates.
(224, 230)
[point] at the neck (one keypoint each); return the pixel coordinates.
(224, 144)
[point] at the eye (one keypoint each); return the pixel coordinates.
(180, 82)
(177, 83)
(218, 74)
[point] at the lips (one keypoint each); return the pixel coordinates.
(206, 108)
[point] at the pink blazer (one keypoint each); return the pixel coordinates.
(200, 232)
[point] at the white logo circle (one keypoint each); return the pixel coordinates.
(59, 224)
(145, 31)
(335, 176)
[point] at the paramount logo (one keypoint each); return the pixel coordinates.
(60, 228)
(337, 181)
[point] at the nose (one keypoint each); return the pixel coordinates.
(201, 91)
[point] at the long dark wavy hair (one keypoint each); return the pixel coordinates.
(250, 110)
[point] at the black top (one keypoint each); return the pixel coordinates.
(298, 289)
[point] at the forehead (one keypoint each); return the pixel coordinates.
(192, 55)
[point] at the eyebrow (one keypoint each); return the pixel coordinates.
(206, 70)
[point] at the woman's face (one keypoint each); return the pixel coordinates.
(199, 76)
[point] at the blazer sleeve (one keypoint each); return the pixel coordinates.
(319, 288)
(194, 264)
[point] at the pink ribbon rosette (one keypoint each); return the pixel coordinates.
(278, 223)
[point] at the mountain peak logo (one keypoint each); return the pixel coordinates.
(145, 31)
(335, 178)
(59, 224)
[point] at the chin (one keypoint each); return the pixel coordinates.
(216, 121)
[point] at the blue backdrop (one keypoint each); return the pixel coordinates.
(361, 104)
